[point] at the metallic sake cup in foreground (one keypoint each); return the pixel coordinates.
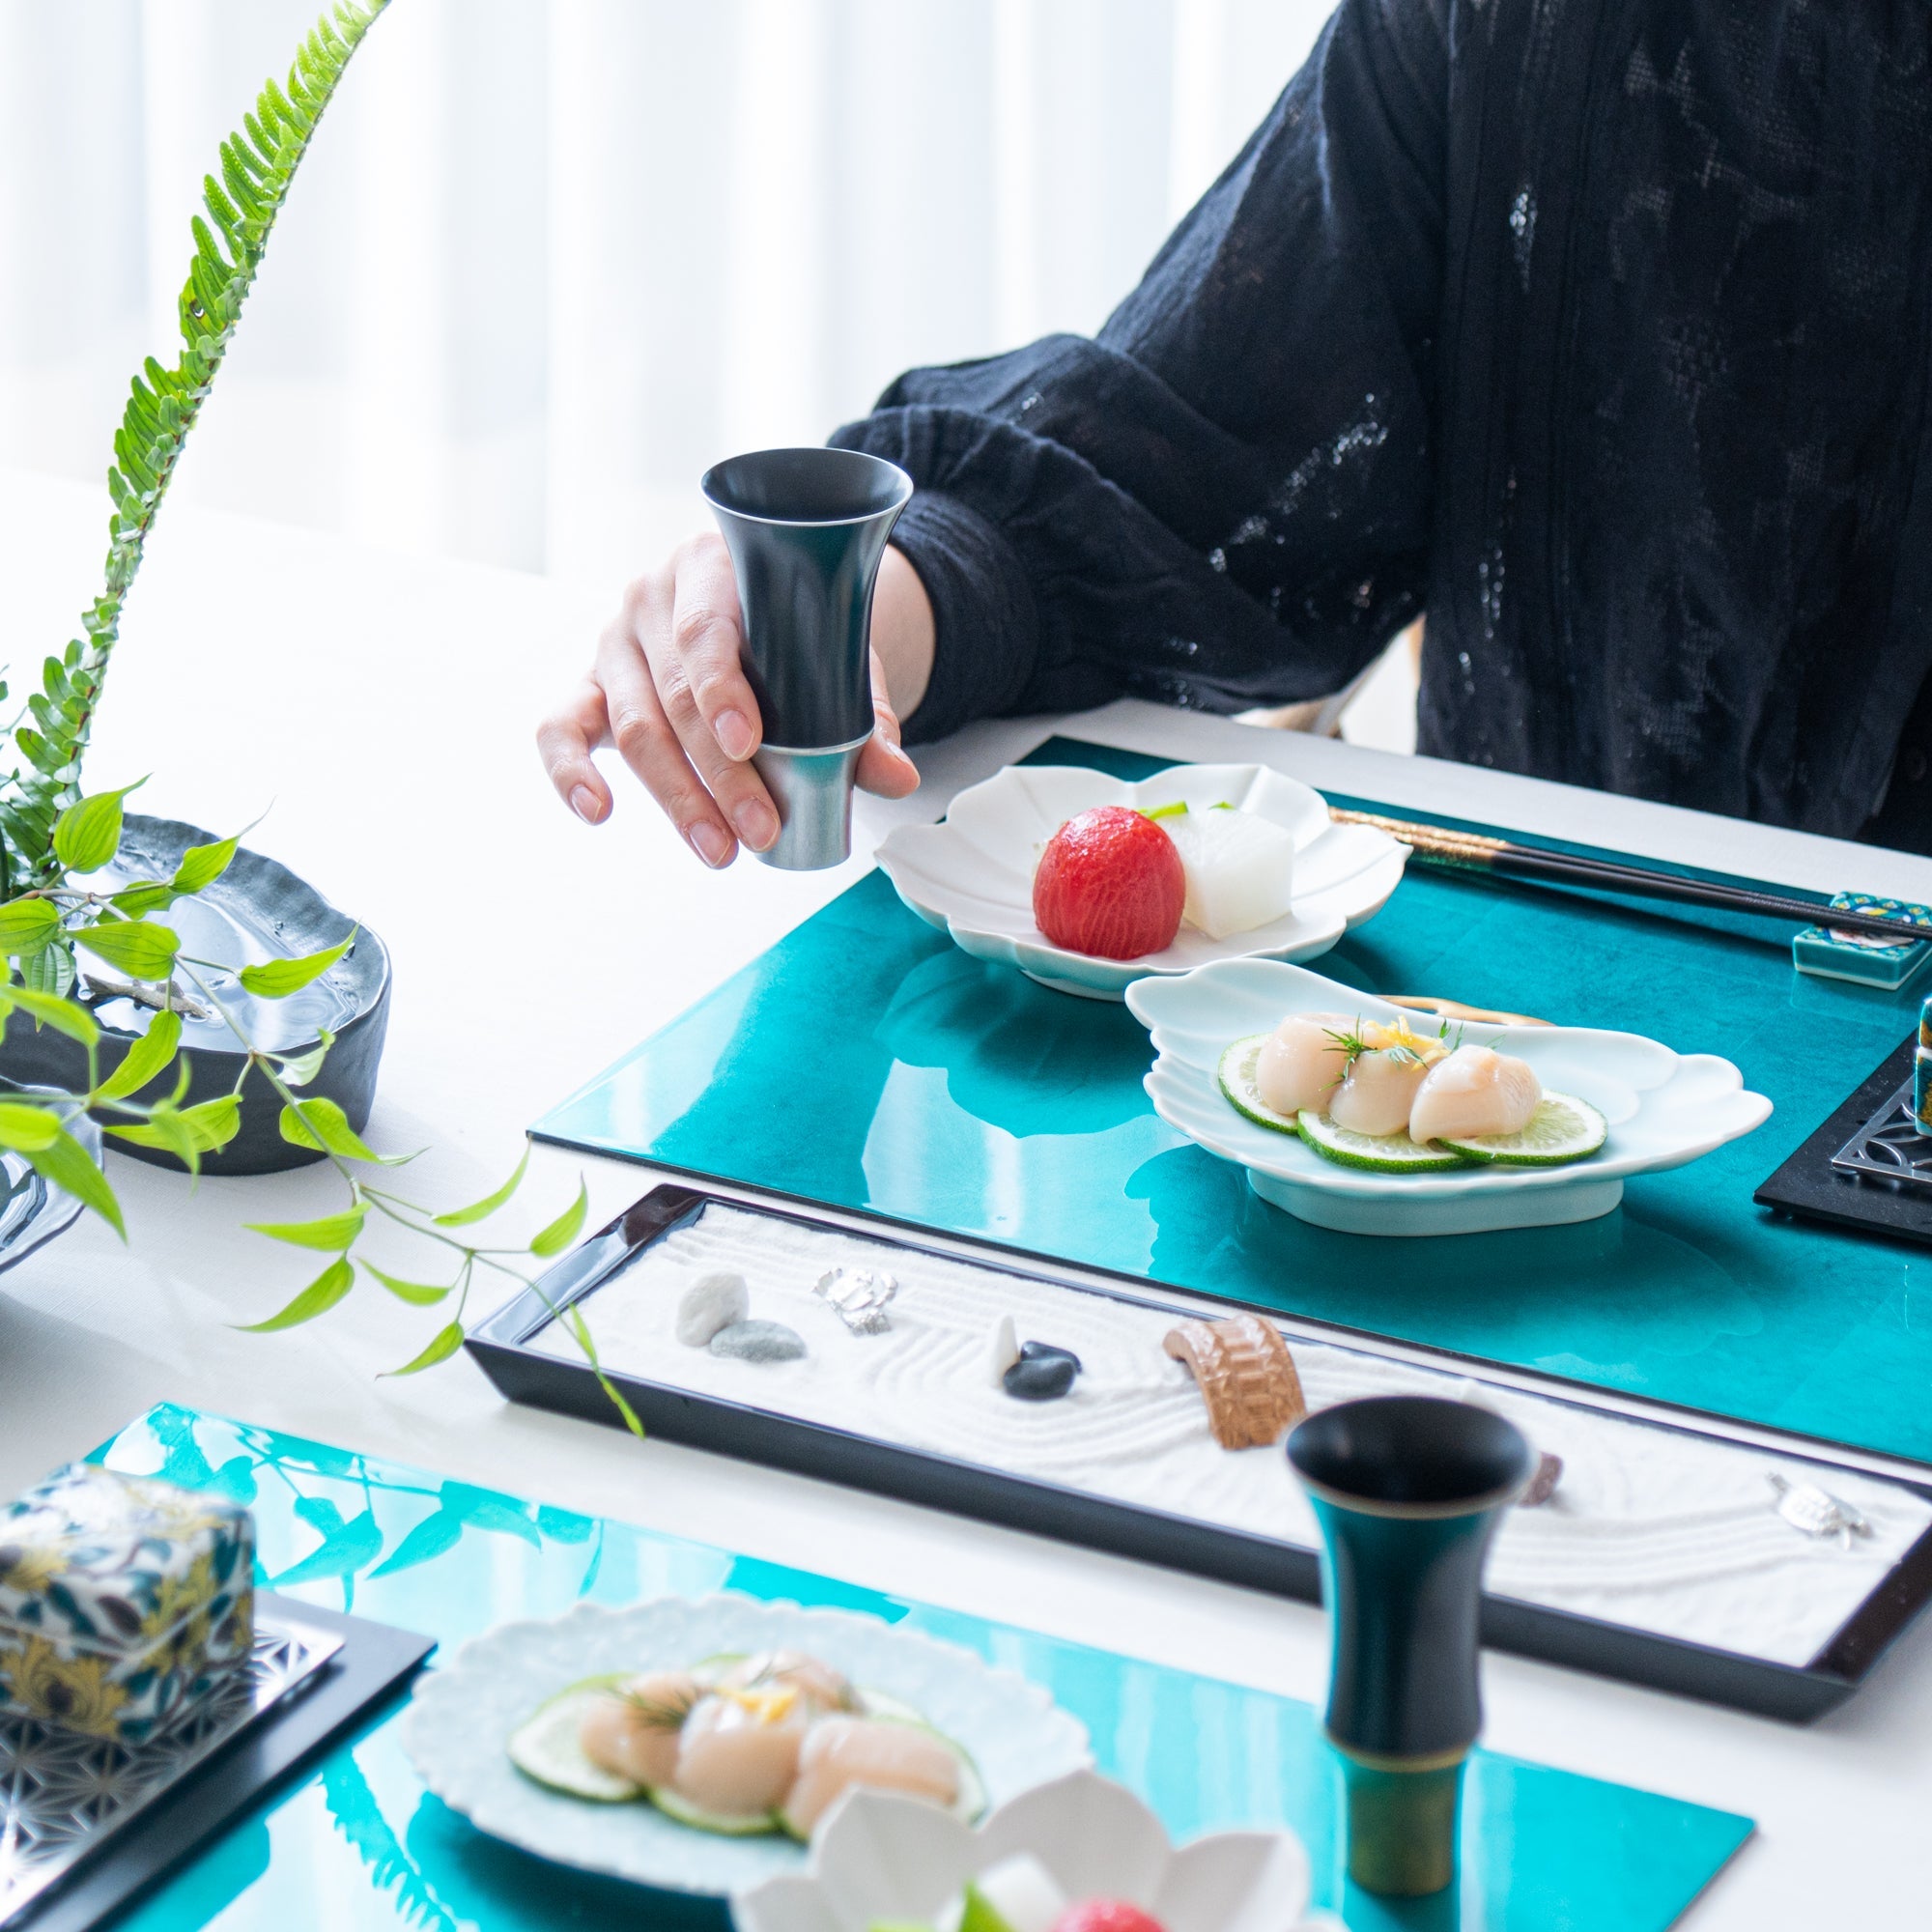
(1408, 1491)
(807, 529)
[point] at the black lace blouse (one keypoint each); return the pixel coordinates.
(1597, 330)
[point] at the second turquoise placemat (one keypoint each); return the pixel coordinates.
(358, 1842)
(866, 1063)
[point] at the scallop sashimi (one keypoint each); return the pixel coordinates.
(1379, 1090)
(876, 1754)
(1239, 867)
(740, 1745)
(632, 1732)
(736, 1758)
(1405, 1102)
(1387, 1062)
(1474, 1094)
(1303, 1061)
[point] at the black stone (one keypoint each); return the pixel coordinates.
(1043, 1373)
(1047, 1351)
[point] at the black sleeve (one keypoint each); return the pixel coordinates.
(1224, 499)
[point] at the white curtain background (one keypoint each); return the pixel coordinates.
(547, 259)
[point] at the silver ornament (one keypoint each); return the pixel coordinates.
(857, 1296)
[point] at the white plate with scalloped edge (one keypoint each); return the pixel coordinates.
(1663, 1108)
(460, 1718)
(879, 1860)
(971, 875)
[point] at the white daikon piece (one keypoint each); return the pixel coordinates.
(1023, 1892)
(1239, 868)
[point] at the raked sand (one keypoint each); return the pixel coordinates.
(1649, 1527)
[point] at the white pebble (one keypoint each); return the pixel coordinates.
(713, 1301)
(1003, 1351)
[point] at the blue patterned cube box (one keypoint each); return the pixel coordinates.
(1865, 957)
(121, 1599)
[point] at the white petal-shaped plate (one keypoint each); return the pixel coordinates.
(879, 1858)
(461, 1715)
(971, 875)
(1663, 1108)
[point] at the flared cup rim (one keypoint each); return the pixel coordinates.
(710, 483)
(1474, 1502)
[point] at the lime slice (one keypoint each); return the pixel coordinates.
(544, 1746)
(1238, 1082)
(1382, 1153)
(1563, 1128)
(725, 1824)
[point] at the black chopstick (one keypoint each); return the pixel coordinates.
(1470, 851)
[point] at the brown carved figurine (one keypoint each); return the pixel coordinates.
(1247, 1378)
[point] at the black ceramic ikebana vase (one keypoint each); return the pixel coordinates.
(1408, 1491)
(257, 910)
(807, 529)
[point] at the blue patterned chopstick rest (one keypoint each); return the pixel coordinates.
(1872, 961)
(121, 1599)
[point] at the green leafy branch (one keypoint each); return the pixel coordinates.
(319, 1124)
(51, 922)
(258, 165)
(51, 833)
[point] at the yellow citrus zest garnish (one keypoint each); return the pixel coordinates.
(768, 1704)
(1381, 1037)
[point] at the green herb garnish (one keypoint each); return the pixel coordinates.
(662, 1714)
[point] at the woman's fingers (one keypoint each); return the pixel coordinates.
(697, 649)
(883, 766)
(645, 741)
(565, 741)
(669, 690)
(693, 652)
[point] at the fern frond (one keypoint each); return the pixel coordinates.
(241, 171)
(256, 169)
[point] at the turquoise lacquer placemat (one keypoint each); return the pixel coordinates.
(865, 1061)
(358, 1842)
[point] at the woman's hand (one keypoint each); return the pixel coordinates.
(667, 690)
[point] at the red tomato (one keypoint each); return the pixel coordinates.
(1105, 1915)
(1109, 884)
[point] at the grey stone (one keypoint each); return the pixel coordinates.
(713, 1301)
(759, 1342)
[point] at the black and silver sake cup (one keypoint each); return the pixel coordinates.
(1408, 1490)
(807, 529)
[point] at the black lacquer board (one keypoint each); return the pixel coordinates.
(373, 1666)
(1810, 1187)
(501, 1345)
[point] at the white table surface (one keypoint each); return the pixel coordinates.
(383, 706)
